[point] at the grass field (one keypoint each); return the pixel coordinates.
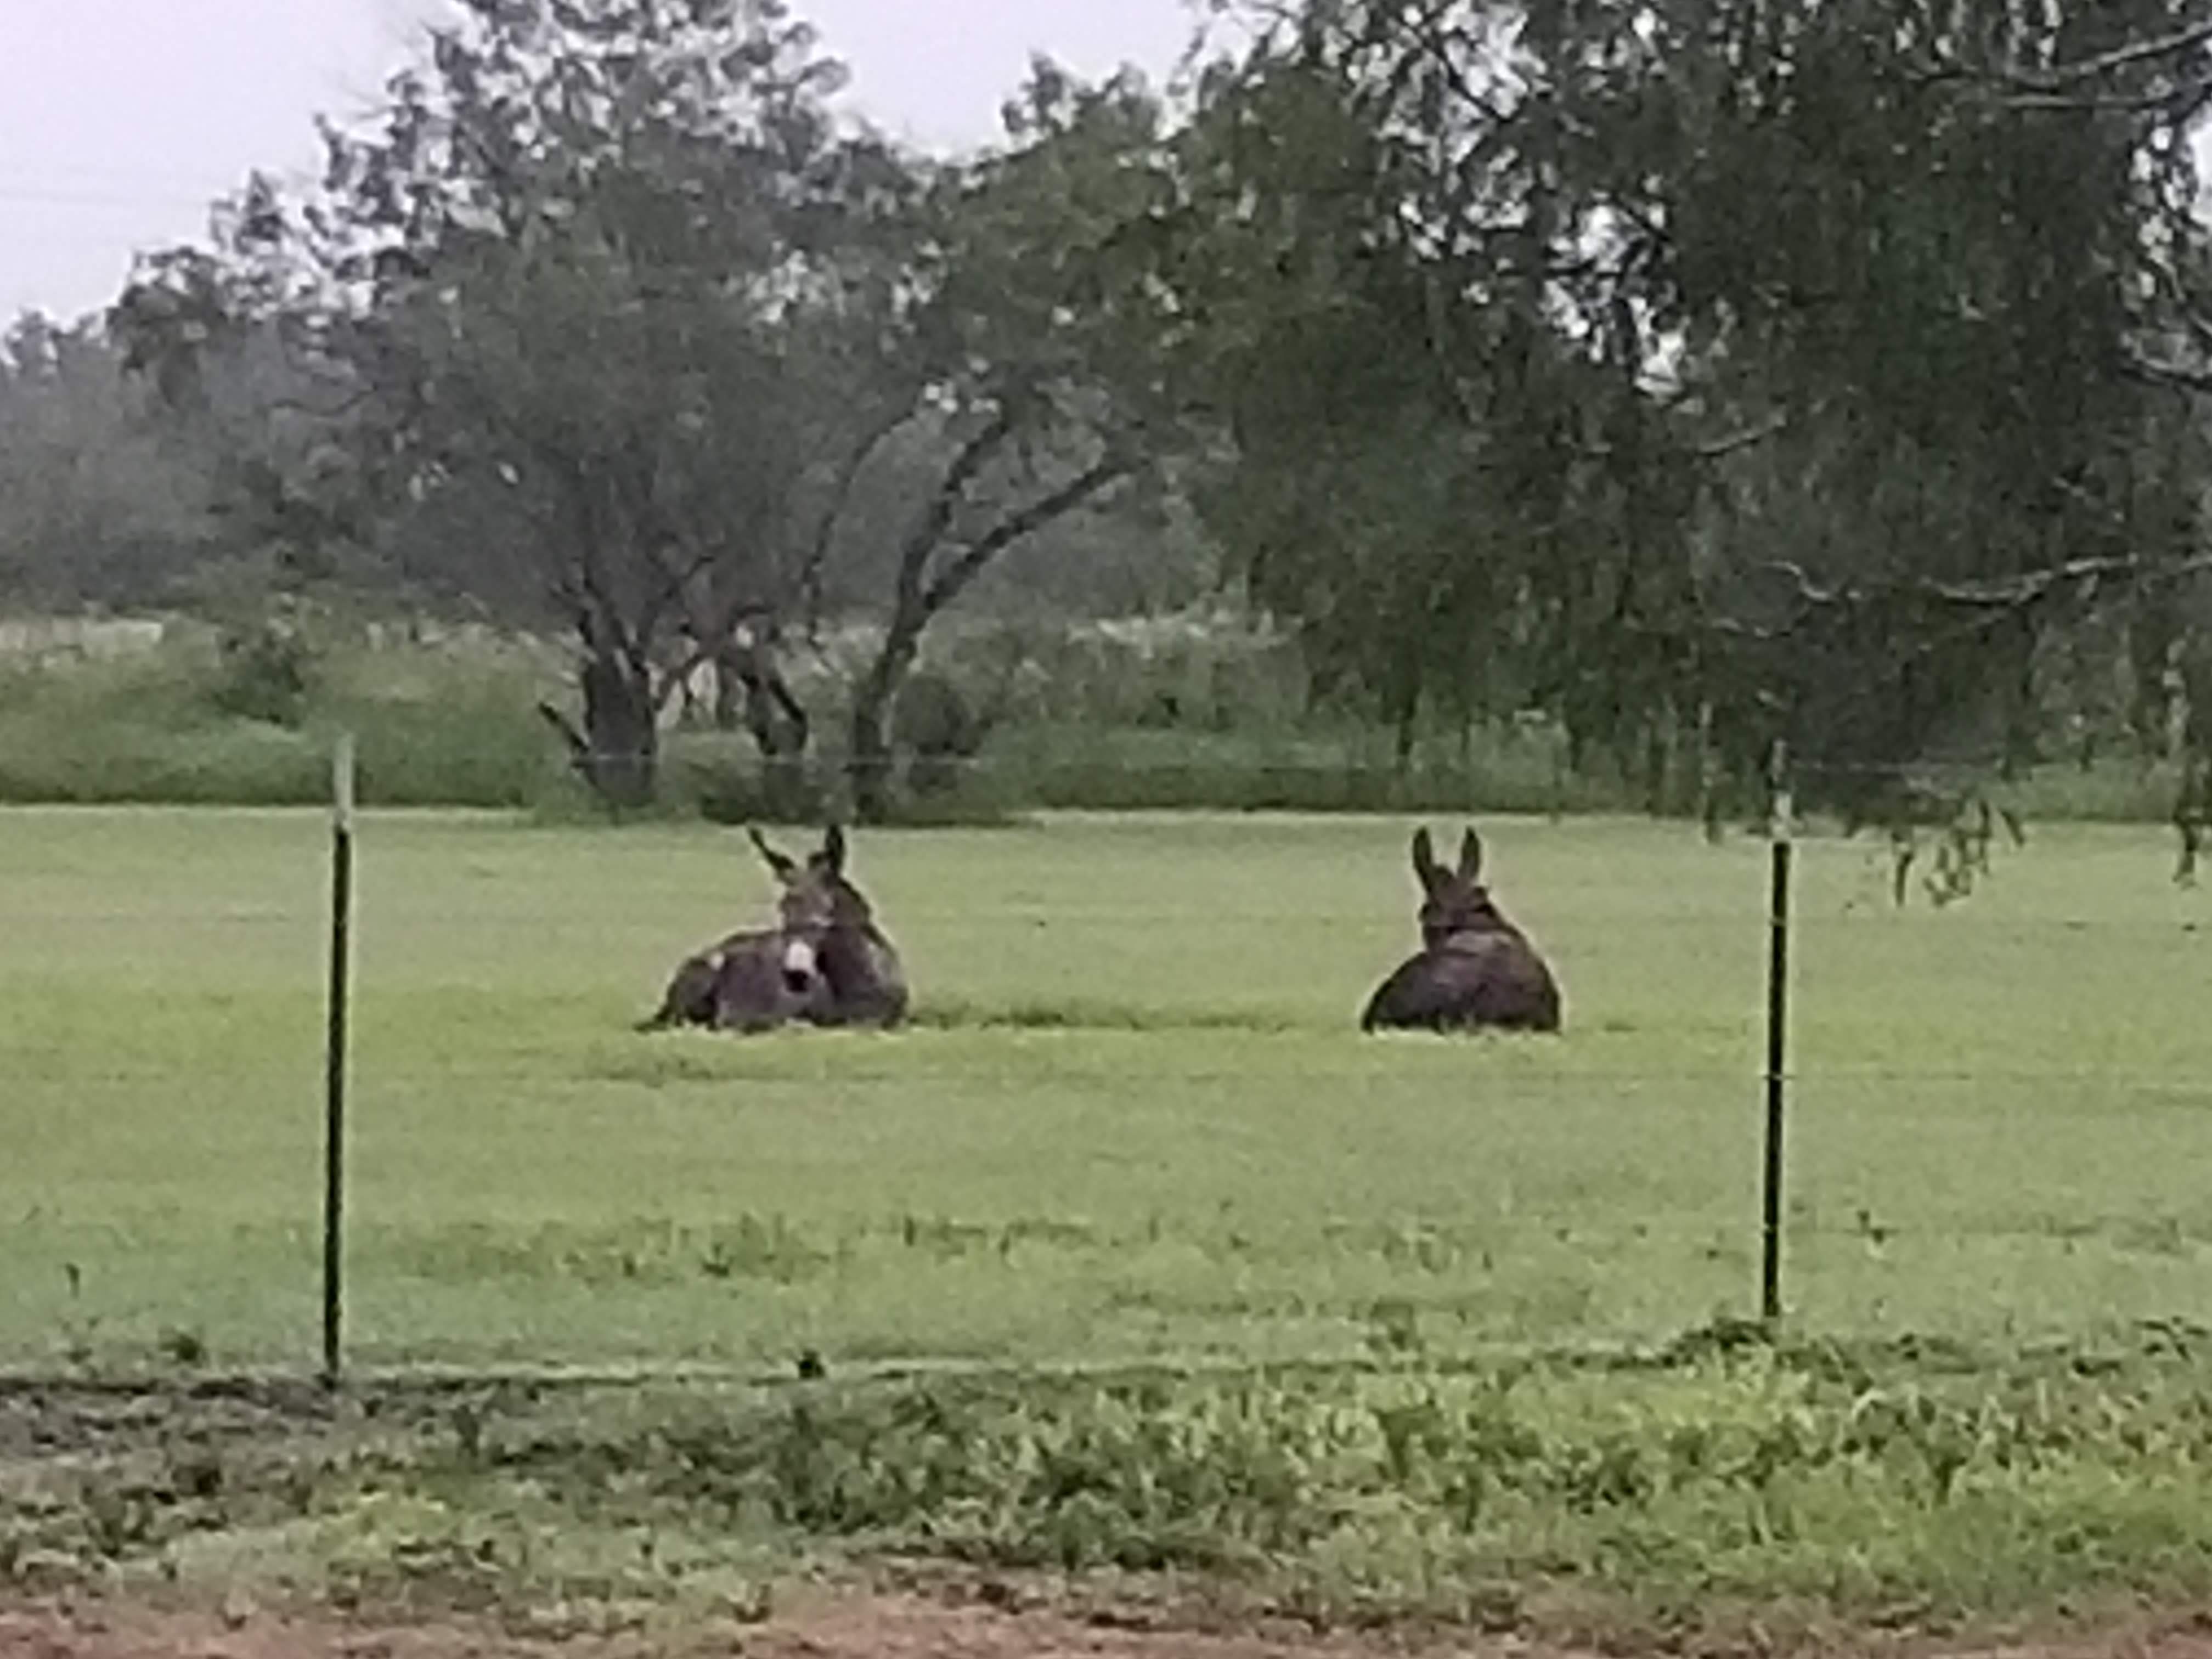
(1133, 1118)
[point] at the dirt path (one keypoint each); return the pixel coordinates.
(848, 1627)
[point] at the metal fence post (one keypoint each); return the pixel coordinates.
(334, 1057)
(1777, 1011)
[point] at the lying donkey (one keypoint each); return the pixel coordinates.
(1474, 967)
(824, 963)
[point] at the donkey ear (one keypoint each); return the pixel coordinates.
(1470, 855)
(778, 862)
(833, 850)
(1424, 858)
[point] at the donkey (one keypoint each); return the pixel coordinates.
(1474, 967)
(824, 963)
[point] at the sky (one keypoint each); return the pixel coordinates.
(121, 120)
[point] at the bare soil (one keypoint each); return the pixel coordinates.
(849, 1625)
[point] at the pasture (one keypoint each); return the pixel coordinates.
(1132, 1118)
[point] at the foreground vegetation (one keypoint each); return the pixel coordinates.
(1717, 1493)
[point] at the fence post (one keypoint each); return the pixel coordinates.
(1777, 1010)
(334, 1056)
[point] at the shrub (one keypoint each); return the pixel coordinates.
(265, 674)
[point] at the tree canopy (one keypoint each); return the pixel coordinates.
(1799, 370)
(607, 316)
(1707, 376)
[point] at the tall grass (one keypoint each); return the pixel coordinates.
(1203, 711)
(436, 727)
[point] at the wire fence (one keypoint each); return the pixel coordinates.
(1988, 1120)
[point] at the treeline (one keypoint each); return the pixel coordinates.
(1702, 382)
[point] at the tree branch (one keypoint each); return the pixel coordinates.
(1070, 496)
(2011, 593)
(2174, 376)
(673, 581)
(2119, 57)
(580, 751)
(928, 535)
(346, 406)
(833, 511)
(2091, 103)
(1719, 449)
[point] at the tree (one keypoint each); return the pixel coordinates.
(1779, 369)
(94, 509)
(1021, 394)
(568, 305)
(611, 319)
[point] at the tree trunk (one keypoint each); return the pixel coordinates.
(782, 732)
(869, 762)
(1403, 709)
(729, 694)
(618, 751)
(625, 740)
(924, 589)
(751, 694)
(1709, 791)
(1658, 769)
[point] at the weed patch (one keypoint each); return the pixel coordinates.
(1797, 1489)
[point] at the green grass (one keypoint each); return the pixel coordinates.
(1132, 1118)
(1132, 1126)
(1718, 1497)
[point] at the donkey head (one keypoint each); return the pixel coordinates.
(1454, 901)
(848, 907)
(806, 906)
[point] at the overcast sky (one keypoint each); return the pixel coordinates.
(120, 120)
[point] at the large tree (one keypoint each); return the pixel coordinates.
(613, 319)
(1775, 369)
(1035, 390)
(579, 295)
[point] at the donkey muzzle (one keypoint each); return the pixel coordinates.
(801, 964)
